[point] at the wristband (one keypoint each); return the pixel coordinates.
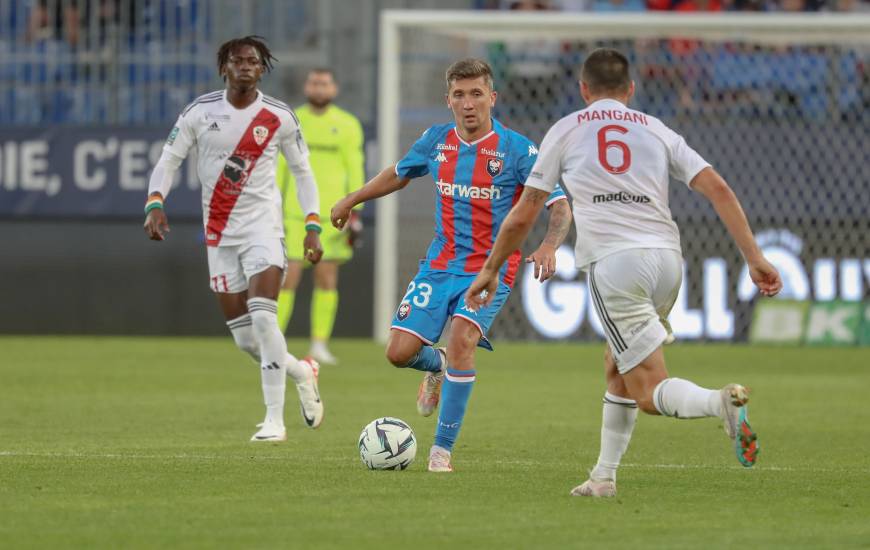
(154, 201)
(312, 223)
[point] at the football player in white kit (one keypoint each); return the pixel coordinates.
(616, 163)
(237, 134)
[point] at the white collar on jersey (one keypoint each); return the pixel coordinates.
(256, 101)
(607, 100)
(478, 140)
(475, 142)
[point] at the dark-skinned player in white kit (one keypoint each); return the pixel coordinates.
(237, 133)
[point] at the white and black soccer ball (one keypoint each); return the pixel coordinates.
(387, 444)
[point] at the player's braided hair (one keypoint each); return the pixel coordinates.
(469, 68)
(257, 42)
(606, 70)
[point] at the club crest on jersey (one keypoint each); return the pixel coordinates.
(404, 311)
(494, 166)
(235, 174)
(260, 134)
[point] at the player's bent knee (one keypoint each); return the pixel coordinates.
(398, 356)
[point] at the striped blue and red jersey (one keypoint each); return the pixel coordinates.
(476, 184)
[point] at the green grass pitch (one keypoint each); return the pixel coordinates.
(124, 443)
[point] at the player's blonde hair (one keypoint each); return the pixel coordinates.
(469, 68)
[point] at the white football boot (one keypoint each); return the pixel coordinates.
(429, 392)
(309, 395)
(270, 431)
(439, 460)
(321, 353)
(595, 488)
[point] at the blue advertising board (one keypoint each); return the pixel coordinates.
(87, 172)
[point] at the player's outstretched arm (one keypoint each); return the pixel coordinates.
(510, 236)
(386, 182)
(710, 184)
(544, 257)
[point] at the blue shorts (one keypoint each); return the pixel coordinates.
(434, 297)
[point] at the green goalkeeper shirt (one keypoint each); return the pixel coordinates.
(335, 141)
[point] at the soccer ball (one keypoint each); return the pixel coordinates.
(387, 444)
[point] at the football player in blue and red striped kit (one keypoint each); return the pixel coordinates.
(479, 168)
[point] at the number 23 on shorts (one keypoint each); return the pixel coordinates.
(418, 294)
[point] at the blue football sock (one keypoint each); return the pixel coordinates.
(454, 400)
(427, 359)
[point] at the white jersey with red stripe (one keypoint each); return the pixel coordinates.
(615, 163)
(236, 158)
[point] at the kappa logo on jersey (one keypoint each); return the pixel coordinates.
(214, 127)
(235, 174)
(533, 150)
(494, 166)
(448, 189)
(440, 157)
(404, 311)
(260, 134)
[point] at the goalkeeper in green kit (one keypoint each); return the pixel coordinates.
(335, 141)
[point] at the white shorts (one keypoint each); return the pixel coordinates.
(231, 267)
(633, 292)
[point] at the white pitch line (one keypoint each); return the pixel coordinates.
(759, 467)
(139, 456)
(218, 458)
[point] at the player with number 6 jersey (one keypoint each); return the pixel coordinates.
(237, 133)
(478, 167)
(617, 162)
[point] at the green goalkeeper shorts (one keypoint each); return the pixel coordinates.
(335, 246)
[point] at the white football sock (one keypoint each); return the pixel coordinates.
(243, 334)
(684, 399)
(273, 356)
(295, 370)
(617, 423)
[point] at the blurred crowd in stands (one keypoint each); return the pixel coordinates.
(141, 61)
(681, 76)
(678, 5)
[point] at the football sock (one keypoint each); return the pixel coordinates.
(617, 423)
(684, 399)
(323, 306)
(285, 308)
(273, 356)
(454, 400)
(243, 334)
(428, 359)
(294, 369)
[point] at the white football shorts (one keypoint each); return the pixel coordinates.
(633, 292)
(231, 267)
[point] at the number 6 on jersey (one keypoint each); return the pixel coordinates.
(604, 145)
